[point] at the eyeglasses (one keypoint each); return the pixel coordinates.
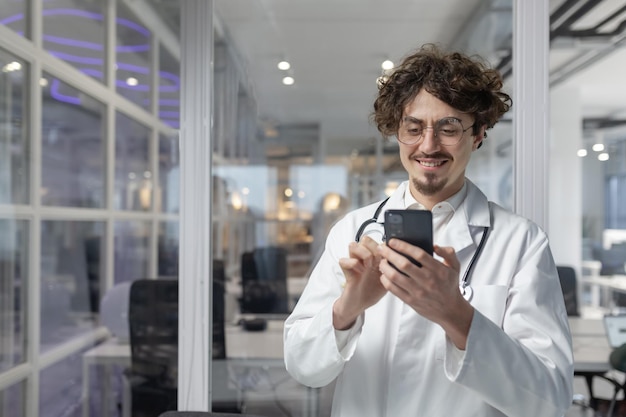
(448, 131)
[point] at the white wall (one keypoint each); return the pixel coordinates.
(565, 172)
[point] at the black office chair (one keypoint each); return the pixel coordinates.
(153, 331)
(264, 281)
(569, 287)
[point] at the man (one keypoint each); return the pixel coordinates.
(480, 329)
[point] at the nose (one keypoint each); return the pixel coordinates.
(429, 140)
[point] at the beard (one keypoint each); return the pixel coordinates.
(431, 185)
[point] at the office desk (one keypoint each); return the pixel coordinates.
(590, 345)
(603, 286)
(245, 350)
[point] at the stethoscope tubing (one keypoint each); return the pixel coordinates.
(464, 286)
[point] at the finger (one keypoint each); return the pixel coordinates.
(352, 265)
(391, 284)
(449, 257)
(365, 251)
(370, 244)
(411, 251)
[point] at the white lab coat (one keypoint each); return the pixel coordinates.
(518, 360)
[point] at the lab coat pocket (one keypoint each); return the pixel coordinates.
(491, 301)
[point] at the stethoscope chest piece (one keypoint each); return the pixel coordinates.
(467, 292)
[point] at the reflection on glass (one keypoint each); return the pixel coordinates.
(72, 143)
(169, 174)
(13, 15)
(71, 272)
(133, 73)
(14, 145)
(133, 178)
(491, 166)
(60, 387)
(13, 400)
(131, 250)
(168, 249)
(169, 88)
(13, 291)
(74, 31)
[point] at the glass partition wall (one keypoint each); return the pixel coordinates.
(88, 194)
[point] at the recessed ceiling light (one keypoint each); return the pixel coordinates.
(603, 156)
(284, 65)
(387, 64)
(132, 81)
(598, 147)
(12, 66)
(288, 80)
(582, 152)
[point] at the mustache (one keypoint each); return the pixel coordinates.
(436, 155)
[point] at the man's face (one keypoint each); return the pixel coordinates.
(436, 172)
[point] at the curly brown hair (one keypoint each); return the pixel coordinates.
(463, 82)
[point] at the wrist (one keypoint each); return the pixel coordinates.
(343, 317)
(458, 326)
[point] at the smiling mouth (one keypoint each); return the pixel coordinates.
(431, 164)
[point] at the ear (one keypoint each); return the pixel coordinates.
(478, 139)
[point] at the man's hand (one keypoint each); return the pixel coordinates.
(432, 290)
(363, 285)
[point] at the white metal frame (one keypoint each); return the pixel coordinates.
(531, 109)
(195, 253)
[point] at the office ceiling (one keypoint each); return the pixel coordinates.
(336, 48)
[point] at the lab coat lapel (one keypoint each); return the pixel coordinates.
(473, 213)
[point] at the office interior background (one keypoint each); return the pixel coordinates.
(90, 159)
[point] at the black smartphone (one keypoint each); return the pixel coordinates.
(412, 226)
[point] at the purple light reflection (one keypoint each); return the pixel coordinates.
(54, 89)
(54, 92)
(12, 19)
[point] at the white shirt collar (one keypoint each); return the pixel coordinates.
(449, 205)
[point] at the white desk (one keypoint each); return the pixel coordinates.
(244, 349)
(603, 286)
(590, 345)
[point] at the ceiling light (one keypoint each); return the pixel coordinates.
(603, 156)
(12, 66)
(43, 82)
(582, 152)
(288, 80)
(132, 81)
(387, 64)
(284, 65)
(598, 147)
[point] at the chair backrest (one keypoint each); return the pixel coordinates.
(264, 281)
(567, 277)
(153, 329)
(153, 325)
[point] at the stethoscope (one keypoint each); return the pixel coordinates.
(464, 286)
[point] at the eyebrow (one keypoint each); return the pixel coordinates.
(416, 120)
(412, 119)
